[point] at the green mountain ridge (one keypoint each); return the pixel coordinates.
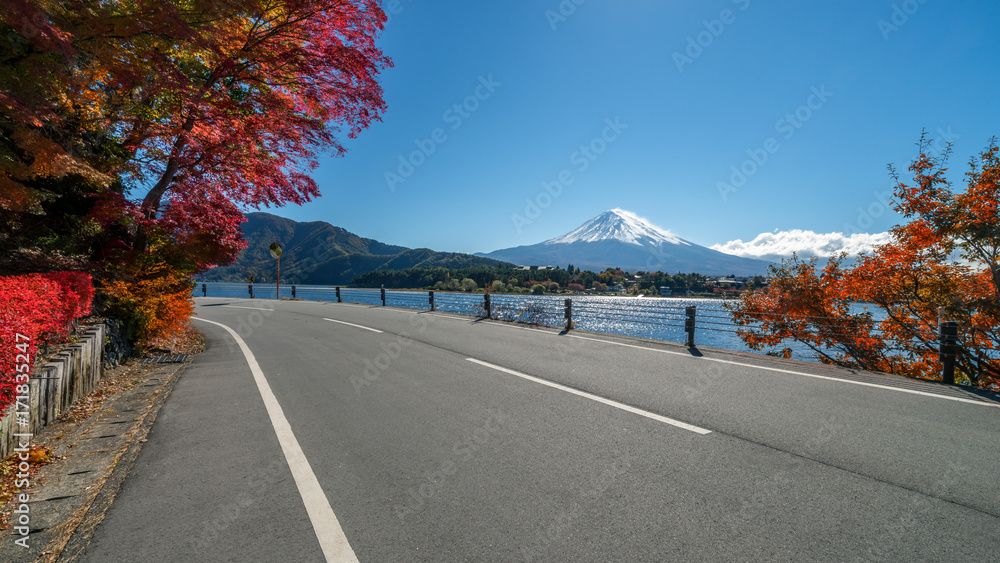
(320, 253)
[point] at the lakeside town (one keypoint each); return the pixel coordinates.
(540, 280)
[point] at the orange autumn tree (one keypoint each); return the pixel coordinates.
(155, 299)
(947, 256)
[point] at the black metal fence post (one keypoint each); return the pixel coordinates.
(689, 325)
(383, 296)
(293, 291)
(204, 290)
(430, 299)
(486, 305)
(569, 313)
(948, 349)
(250, 288)
(339, 300)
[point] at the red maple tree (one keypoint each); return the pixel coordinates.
(204, 108)
(134, 134)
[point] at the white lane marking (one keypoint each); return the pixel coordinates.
(777, 370)
(331, 536)
(455, 316)
(696, 358)
(597, 398)
(351, 324)
(730, 362)
(790, 372)
(390, 308)
(254, 308)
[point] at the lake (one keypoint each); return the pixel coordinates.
(643, 317)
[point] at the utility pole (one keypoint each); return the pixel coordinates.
(276, 252)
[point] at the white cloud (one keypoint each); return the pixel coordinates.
(781, 244)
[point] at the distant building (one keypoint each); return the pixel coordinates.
(732, 282)
(666, 291)
(534, 268)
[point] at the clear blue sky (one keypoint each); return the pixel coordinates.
(875, 73)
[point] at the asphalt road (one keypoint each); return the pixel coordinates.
(441, 438)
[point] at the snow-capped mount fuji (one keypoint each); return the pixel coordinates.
(621, 239)
(620, 225)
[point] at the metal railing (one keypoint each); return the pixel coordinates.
(549, 311)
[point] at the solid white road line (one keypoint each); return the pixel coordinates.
(790, 372)
(254, 308)
(351, 324)
(765, 368)
(331, 536)
(586, 395)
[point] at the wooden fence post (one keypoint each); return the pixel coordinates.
(948, 350)
(689, 325)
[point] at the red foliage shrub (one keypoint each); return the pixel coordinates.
(36, 308)
(77, 294)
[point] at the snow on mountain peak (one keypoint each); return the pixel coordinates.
(621, 225)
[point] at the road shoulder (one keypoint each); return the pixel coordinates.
(91, 458)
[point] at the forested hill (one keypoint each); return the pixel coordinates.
(320, 253)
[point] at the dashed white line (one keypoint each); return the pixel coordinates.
(599, 399)
(682, 354)
(332, 539)
(753, 366)
(352, 324)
